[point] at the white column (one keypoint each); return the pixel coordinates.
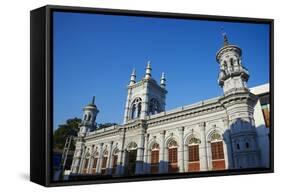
(99, 163)
(77, 159)
(181, 150)
(127, 107)
(91, 160)
(145, 158)
(120, 165)
(203, 148)
(82, 160)
(108, 163)
(185, 158)
(166, 160)
(119, 162)
(148, 167)
(124, 158)
(139, 160)
(162, 153)
(144, 107)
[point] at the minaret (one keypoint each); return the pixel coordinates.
(163, 81)
(233, 76)
(88, 123)
(148, 71)
(239, 103)
(89, 118)
(133, 77)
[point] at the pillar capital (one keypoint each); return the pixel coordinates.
(181, 129)
(162, 132)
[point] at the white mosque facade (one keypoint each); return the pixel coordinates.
(227, 132)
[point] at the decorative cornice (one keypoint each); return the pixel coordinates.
(227, 49)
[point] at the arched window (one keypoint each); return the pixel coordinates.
(154, 106)
(247, 145)
(85, 117)
(154, 167)
(173, 156)
(104, 162)
(193, 154)
(136, 108)
(237, 146)
(232, 64)
(114, 161)
(95, 162)
(139, 109)
(133, 111)
(218, 161)
(89, 117)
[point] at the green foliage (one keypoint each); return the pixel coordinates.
(70, 128)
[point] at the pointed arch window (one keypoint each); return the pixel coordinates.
(193, 154)
(154, 167)
(95, 162)
(139, 109)
(217, 151)
(154, 106)
(89, 117)
(104, 162)
(136, 108)
(173, 156)
(86, 163)
(133, 111)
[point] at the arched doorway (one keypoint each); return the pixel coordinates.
(131, 158)
(218, 161)
(173, 157)
(193, 154)
(154, 164)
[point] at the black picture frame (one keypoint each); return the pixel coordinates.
(41, 99)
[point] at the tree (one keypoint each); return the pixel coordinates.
(70, 128)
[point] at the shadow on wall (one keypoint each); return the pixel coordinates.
(247, 145)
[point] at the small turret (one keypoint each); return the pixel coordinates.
(163, 81)
(89, 118)
(133, 77)
(232, 76)
(148, 71)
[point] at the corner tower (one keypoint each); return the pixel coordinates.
(239, 103)
(232, 75)
(145, 97)
(89, 118)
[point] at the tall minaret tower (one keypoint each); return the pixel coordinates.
(89, 118)
(88, 123)
(239, 103)
(145, 97)
(233, 76)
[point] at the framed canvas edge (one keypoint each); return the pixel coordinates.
(49, 91)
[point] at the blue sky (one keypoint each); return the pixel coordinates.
(95, 54)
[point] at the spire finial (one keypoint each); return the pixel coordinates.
(225, 40)
(93, 100)
(148, 70)
(163, 80)
(133, 77)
